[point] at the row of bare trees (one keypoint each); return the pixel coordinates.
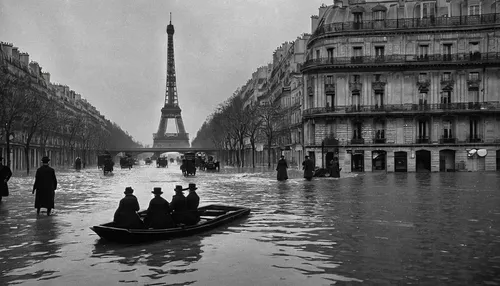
(233, 123)
(30, 114)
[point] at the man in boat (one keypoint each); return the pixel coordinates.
(193, 201)
(126, 215)
(5, 174)
(158, 213)
(45, 186)
(178, 205)
(308, 167)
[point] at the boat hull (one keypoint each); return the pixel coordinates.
(212, 217)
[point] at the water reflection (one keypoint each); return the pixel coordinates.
(428, 228)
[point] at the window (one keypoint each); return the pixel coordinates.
(428, 10)
(330, 101)
(446, 76)
(330, 54)
(379, 100)
(357, 51)
(473, 76)
(422, 129)
(379, 15)
(379, 52)
(473, 95)
(356, 100)
(446, 97)
(358, 17)
(475, 54)
(356, 78)
(357, 131)
(317, 54)
(329, 79)
(474, 10)
(447, 52)
(378, 77)
(473, 134)
(422, 77)
(423, 51)
(422, 99)
(447, 130)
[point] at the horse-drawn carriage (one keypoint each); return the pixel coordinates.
(212, 164)
(126, 162)
(105, 162)
(188, 165)
(162, 162)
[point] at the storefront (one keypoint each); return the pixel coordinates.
(400, 161)
(379, 160)
(357, 160)
(447, 160)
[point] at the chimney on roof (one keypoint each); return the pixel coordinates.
(7, 49)
(15, 53)
(314, 22)
(35, 68)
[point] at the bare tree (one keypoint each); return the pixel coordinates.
(272, 121)
(254, 124)
(12, 101)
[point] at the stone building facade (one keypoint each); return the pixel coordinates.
(404, 86)
(64, 143)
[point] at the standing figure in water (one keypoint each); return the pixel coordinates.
(45, 186)
(308, 167)
(281, 168)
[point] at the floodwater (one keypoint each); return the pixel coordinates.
(364, 229)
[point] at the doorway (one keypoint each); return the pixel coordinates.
(400, 161)
(447, 160)
(357, 163)
(423, 160)
(379, 160)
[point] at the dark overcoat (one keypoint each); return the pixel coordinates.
(126, 215)
(308, 167)
(158, 214)
(5, 174)
(180, 211)
(45, 186)
(193, 201)
(335, 169)
(281, 168)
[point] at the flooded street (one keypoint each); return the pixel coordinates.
(366, 229)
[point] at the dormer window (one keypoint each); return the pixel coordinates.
(474, 10)
(379, 15)
(428, 10)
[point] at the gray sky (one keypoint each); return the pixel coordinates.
(113, 52)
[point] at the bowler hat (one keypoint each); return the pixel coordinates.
(45, 159)
(178, 188)
(192, 187)
(128, 190)
(157, 191)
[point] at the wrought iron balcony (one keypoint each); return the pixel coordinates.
(447, 140)
(357, 141)
(410, 59)
(474, 139)
(408, 23)
(379, 140)
(407, 107)
(422, 140)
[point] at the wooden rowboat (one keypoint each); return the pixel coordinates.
(211, 216)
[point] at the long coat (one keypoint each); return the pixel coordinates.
(5, 174)
(158, 214)
(308, 167)
(180, 212)
(45, 186)
(126, 215)
(281, 168)
(192, 202)
(335, 169)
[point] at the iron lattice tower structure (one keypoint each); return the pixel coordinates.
(171, 109)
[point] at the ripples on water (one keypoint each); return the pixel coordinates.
(370, 229)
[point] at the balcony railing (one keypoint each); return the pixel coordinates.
(422, 140)
(474, 139)
(379, 140)
(447, 140)
(409, 23)
(491, 57)
(407, 107)
(357, 141)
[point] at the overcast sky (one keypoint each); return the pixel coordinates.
(113, 52)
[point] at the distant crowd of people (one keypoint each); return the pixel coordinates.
(182, 210)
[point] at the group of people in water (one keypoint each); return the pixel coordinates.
(333, 169)
(182, 210)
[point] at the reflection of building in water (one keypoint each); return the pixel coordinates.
(404, 86)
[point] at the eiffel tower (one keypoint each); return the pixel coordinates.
(171, 109)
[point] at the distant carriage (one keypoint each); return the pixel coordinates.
(212, 164)
(105, 162)
(162, 162)
(148, 161)
(188, 165)
(126, 162)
